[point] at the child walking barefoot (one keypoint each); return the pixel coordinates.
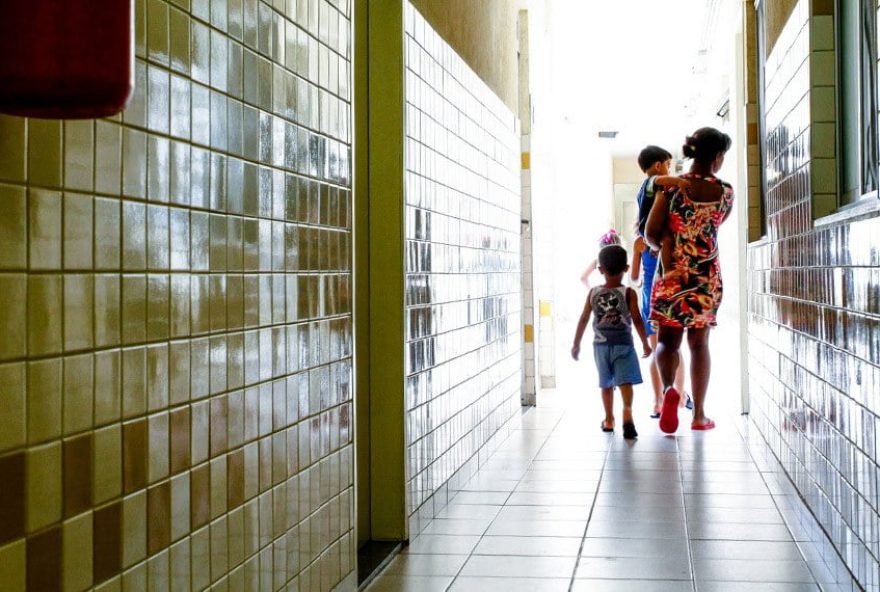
(687, 291)
(615, 310)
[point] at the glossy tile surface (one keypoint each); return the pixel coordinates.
(814, 313)
(175, 360)
(635, 526)
(463, 285)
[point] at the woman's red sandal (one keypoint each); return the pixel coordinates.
(669, 411)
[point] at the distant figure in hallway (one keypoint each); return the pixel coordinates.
(688, 290)
(609, 238)
(616, 309)
(655, 162)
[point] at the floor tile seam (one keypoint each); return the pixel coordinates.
(590, 515)
(798, 544)
(483, 535)
(687, 533)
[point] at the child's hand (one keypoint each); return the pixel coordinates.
(575, 351)
(684, 186)
(646, 349)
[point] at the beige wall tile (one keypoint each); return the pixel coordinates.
(13, 222)
(157, 467)
(108, 216)
(107, 464)
(159, 571)
(43, 486)
(13, 419)
(200, 555)
(200, 432)
(108, 158)
(135, 579)
(179, 377)
(107, 314)
(134, 381)
(136, 209)
(180, 506)
(79, 142)
(78, 312)
(44, 152)
(112, 585)
(218, 487)
(13, 318)
(77, 549)
(78, 231)
(157, 376)
(134, 528)
(108, 386)
(219, 548)
(158, 308)
(44, 400)
(13, 566)
(44, 229)
(134, 309)
(179, 566)
(134, 159)
(78, 393)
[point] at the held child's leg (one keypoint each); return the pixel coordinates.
(629, 428)
(656, 383)
(701, 367)
(608, 403)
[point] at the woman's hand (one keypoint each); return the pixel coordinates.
(575, 351)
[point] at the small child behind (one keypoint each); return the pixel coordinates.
(616, 310)
(609, 238)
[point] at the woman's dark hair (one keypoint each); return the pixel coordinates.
(651, 155)
(705, 144)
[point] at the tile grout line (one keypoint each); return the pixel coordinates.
(577, 560)
(684, 510)
(482, 536)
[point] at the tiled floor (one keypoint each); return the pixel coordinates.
(561, 506)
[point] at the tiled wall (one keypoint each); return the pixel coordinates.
(175, 359)
(814, 316)
(462, 229)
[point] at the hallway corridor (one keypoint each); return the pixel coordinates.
(561, 506)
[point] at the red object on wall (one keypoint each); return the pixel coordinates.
(66, 59)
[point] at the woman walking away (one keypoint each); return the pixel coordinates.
(687, 292)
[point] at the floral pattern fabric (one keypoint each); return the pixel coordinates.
(688, 294)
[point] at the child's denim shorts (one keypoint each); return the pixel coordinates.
(617, 364)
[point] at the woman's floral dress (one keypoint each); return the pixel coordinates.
(688, 294)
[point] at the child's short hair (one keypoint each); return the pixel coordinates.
(651, 155)
(612, 259)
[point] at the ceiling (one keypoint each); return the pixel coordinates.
(629, 66)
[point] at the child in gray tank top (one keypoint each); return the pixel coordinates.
(615, 309)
